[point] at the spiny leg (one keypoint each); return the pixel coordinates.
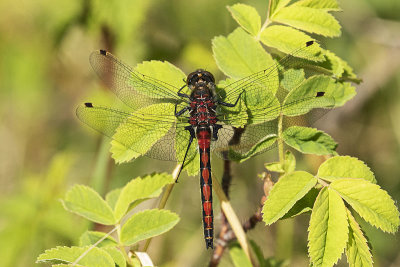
(192, 135)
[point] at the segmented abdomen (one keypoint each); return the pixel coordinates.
(204, 139)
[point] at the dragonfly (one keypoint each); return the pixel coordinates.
(167, 122)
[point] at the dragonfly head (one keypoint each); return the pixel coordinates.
(200, 79)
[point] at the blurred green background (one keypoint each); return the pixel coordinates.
(44, 149)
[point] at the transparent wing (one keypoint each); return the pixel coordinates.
(266, 81)
(134, 89)
(157, 136)
(251, 127)
(261, 132)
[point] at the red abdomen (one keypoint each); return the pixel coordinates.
(204, 139)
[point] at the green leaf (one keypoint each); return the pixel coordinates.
(247, 17)
(238, 256)
(328, 230)
(308, 19)
(95, 257)
(348, 71)
(87, 203)
(370, 202)
(343, 92)
(336, 94)
(121, 153)
(257, 251)
(288, 166)
(112, 197)
(142, 139)
(327, 5)
(357, 251)
(307, 92)
(274, 167)
(292, 78)
(288, 40)
(140, 188)
(285, 193)
(91, 237)
(276, 5)
(333, 63)
(240, 55)
(116, 255)
(290, 162)
(147, 224)
(345, 167)
(163, 71)
(309, 140)
(260, 146)
(305, 204)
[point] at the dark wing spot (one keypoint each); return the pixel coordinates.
(88, 105)
(309, 43)
(103, 52)
(320, 94)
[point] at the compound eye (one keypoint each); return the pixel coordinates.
(191, 80)
(209, 77)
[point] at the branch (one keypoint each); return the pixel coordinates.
(226, 234)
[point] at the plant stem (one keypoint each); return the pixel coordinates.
(164, 198)
(94, 245)
(267, 21)
(231, 217)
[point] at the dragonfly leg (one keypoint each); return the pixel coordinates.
(179, 113)
(182, 94)
(229, 104)
(192, 135)
(215, 129)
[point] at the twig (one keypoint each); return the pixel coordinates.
(220, 245)
(164, 199)
(227, 235)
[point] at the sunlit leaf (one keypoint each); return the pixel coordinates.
(95, 257)
(116, 255)
(113, 196)
(357, 251)
(240, 55)
(371, 202)
(285, 193)
(292, 78)
(309, 140)
(86, 202)
(328, 230)
(121, 154)
(247, 17)
(146, 224)
(276, 5)
(305, 204)
(328, 5)
(140, 188)
(308, 91)
(91, 237)
(287, 40)
(239, 258)
(288, 165)
(261, 145)
(345, 167)
(308, 19)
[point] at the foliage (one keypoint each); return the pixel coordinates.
(100, 249)
(342, 186)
